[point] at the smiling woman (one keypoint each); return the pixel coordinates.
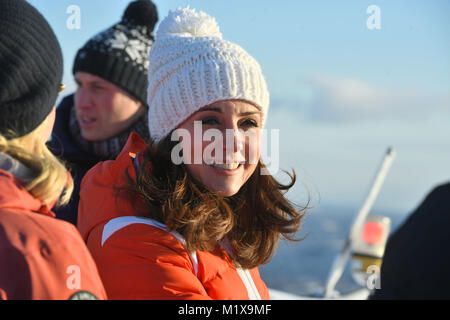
(224, 172)
(190, 230)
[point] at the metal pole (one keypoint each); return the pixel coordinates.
(341, 259)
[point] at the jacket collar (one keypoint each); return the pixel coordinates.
(13, 194)
(99, 201)
(13, 166)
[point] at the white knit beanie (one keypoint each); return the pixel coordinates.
(191, 66)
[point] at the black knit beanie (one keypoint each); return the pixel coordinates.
(120, 54)
(31, 68)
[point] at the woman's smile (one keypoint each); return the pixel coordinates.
(227, 169)
(241, 154)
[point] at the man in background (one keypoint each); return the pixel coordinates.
(110, 70)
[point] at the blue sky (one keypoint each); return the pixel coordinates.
(340, 93)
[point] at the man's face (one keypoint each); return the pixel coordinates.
(103, 110)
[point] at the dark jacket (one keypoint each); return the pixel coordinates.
(78, 162)
(417, 259)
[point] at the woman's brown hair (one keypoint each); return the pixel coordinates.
(251, 221)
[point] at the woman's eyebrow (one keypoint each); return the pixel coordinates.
(249, 113)
(219, 110)
(211, 109)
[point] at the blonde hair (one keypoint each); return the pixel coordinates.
(50, 181)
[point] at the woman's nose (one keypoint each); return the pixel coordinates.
(235, 144)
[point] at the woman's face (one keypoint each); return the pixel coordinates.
(223, 145)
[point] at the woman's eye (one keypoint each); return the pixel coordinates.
(250, 123)
(210, 121)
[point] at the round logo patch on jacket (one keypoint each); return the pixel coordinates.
(83, 295)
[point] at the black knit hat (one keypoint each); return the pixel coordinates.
(31, 68)
(120, 54)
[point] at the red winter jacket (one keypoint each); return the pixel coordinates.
(41, 257)
(138, 258)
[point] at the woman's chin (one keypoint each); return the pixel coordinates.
(227, 194)
(224, 192)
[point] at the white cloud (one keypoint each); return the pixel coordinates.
(335, 159)
(348, 99)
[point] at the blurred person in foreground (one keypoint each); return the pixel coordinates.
(40, 257)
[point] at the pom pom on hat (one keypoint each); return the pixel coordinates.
(141, 13)
(191, 66)
(186, 22)
(119, 54)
